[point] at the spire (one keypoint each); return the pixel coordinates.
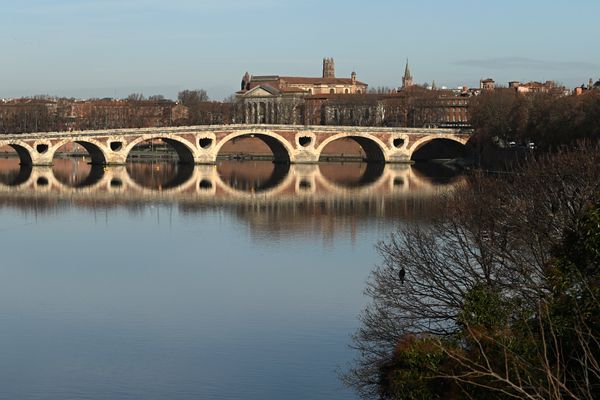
(407, 71)
(433, 86)
(407, 79)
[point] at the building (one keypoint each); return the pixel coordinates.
(583, 89)
(34, 115)
(326, 84)
(487, 84)
(441, 109)
(269, 99)
(534, 87)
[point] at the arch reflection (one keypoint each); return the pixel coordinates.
(77, 172)
(252, 176)
(437, 173)
(13, 172)
(352, 175)
(231, 182)
(159, 175)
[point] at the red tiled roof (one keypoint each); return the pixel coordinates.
(316, 81)
(301, 80)
(292, 90)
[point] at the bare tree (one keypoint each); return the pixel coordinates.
(230, 99)
(136, 97)
(478, 279)
(190, 98)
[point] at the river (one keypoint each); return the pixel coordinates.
(156, 281)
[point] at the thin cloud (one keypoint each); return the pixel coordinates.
(520, 63)
(79, 6)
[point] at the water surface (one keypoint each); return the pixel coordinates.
(154, 281)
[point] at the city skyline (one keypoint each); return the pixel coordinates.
(110, 49)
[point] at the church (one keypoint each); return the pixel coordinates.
(272, 99)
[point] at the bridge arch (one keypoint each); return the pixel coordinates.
(419, 144)
(95, 149)
(281, 147)
(373, 147)
(184, 149)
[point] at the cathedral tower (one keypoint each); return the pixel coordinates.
(246, 81)
(328, 68)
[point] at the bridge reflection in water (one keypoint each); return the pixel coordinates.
(270, 197)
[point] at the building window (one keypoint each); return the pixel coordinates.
(332, 91)
(359, 91)
(346, 91)
(310, 91)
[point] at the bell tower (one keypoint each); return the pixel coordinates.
(328, 68)
(246, 81)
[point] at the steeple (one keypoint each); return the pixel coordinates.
(407, 79)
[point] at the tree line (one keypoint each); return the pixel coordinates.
(503, 115)
(547, 119)
(46, 114)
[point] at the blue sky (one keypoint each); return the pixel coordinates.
(85, 48)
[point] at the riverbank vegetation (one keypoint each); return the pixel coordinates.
(497, 298)
(549, 120)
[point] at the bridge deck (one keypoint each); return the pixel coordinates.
(238, 127)
(201, 144)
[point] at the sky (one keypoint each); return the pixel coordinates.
(111, 48)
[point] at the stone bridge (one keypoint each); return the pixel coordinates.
(201, 144)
